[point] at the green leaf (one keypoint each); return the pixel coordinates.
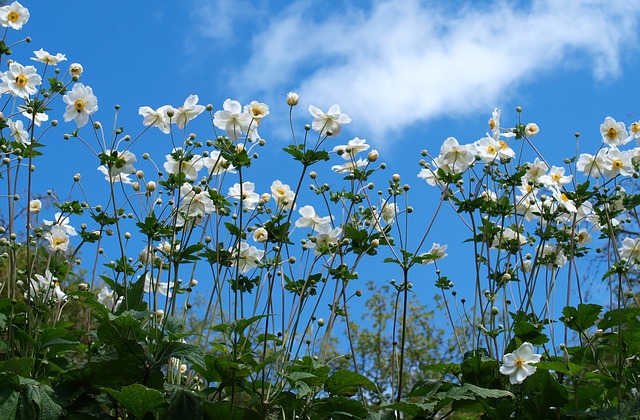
(224, 410)
(582, 318)
(138, 399)
(20, 366)
(183, 403)
(190, 352)
(346, 383)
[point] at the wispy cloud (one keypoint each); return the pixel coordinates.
(403, 61)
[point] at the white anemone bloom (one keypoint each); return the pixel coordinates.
(153, 285)
(188, 111)
(62, 222)
(331, 121)
(179, 163)
(20, 81)
(282, 194)
(232, 119)
(311, 219)
(81, 104)
(18, 133)
(14, 15)
(50, 59)
(46, 288)
(158, 117)
(58, 239)
(517, 365)
(614, 133)
(247, 257)
(630, 250)
(216, 164)
(437, 252)
(245, 194)
(109, 299)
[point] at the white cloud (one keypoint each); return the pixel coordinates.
(404, 61)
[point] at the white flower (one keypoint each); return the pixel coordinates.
(157, 118)
(35, 206)
(46, 287)
(352, 148)
(634, 131)
(517, 365)
(180, 163)
(44, 57)
(389, 212)
(14, 15)
(456, 156)
(260, 235)
(535, 170)
(108, 298)
(555, 178)
(232, 120)
(247, 258)
(350, 166)
(123, 162)
(18, 133)
(591, 165)
(508, 235)
(311, 219)
(216, 164)
(616, 163)
(325, 240)
(614, 133)
(630, 250)
(245, 194)
(282, 194)
(583, 237)
(76, 69)
(437, 252)
(167, 248)
(331, 121)
(494, 123)
(194, 204)
(553, 255)
(38, 118)
(62, 222)
(153, 285)
(188, 111)
(531, 129)
(114, 176)
(58, 239)
(490, 149)
(81, 103)
(20, 81)
(257, 110)
(564, 201)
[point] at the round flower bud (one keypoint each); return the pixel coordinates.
(76, 69)
(83, 287)
(76, 177)
(395, 178)
(292, 99)
(151, 186)
(313, 175)
(135, 186)
(373, 156)
(265, 197)
(159, 313)
(193, 283)
(494, 311)
(320, 322)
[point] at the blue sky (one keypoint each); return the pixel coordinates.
(409, 73)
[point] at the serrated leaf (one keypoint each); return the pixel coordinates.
(138, 399)
(346, 383)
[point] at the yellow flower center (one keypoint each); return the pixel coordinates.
(13, 16)
(520, 362)
(79, 105)
(617, 164)
(612, 133)
(22, 80)
(564, 197)
(491, 150)
(635, 127)
(58, 241)
(492, 123)
(556, 177)
(503, 145)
